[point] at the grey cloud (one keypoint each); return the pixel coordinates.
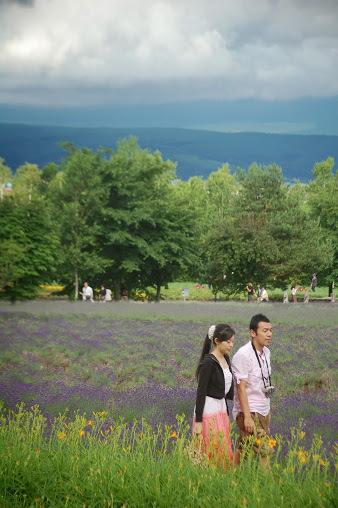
(167, 51)
(25, 3)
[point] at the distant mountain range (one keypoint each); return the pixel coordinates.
(196, 152)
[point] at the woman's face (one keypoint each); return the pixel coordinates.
(226, 346)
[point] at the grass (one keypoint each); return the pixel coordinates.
(99, 462)
(137, 361)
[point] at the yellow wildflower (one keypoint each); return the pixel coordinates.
(316, 457)
(82, 433)
(61, 435)
(90, 423)
(258, 441)
(174, 435)
(272, 443)
(302, 457)
(323, 463)
(301, 434)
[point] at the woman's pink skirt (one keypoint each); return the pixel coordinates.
(216, 442)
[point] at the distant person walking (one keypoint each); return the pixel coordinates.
(108, 297)
(263, 297)
(314, 282)
(250, 292)
(211, 424)
(253, 388)
(294, 294)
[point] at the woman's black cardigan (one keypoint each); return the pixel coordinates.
(211, 383)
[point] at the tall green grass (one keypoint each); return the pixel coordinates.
(93, 462)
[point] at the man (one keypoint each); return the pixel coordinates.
(87, 293)
(252, 370)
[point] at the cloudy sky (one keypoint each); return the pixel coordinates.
(268, 65)
(92, 52)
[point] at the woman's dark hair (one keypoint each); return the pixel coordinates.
(223, 332)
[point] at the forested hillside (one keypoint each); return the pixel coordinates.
(195, 152)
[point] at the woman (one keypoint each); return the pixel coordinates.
(215, 384)
(294, 294)
(250, 291)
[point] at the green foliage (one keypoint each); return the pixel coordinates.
(268, 238)
(96, 462)
(77, 196)
(323, 203)
(5, 175)
(27, 182)
(147, 230)
(123, 219)
(28, 247)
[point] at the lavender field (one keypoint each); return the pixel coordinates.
(138, 360)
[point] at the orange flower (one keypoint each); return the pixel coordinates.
(174, 435)
(82, 433)
(272, 443)
(258, 441)
(61, 436)
(302, 457)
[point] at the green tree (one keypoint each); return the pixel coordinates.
(28, 247)
(194, 204)
(323, 203)
(5, 177)
(269, 238)
(27, 182)
(77, 196)
(171, 243)
(136, 215)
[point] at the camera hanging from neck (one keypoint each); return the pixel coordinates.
(260, 366)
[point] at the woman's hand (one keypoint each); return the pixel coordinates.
(198, 429)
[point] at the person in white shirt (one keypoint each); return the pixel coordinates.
(87, 293)
(294, 294)
(263, 297)
(108, 295)
(252, 370)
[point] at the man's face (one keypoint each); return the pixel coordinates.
(263, 336)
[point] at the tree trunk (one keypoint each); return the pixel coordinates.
(76, 283)
(117, 290)
(158, 292)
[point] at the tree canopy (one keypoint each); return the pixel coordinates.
(121, 218)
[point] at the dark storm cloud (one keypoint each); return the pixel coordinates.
(166, 50)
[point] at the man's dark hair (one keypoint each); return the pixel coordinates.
(256, 319)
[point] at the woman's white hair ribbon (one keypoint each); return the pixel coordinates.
(211, 332)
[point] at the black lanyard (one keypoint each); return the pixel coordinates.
(260, 366)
